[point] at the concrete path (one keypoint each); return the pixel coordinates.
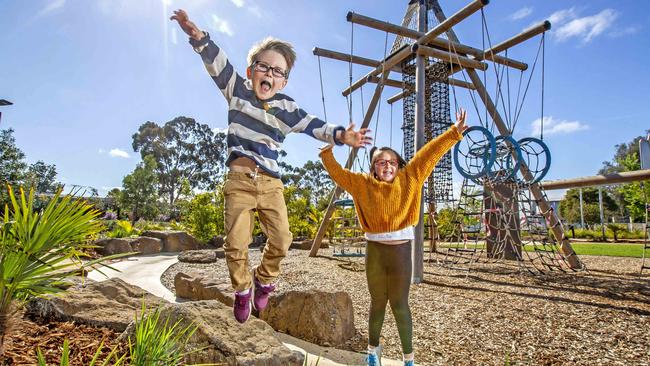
(144, 271)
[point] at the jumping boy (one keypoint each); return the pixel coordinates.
(259, 118)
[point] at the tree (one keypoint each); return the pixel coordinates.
(139, 190)
(570, 205)
(42, 177)
(631, 197)
(12, 159)
(182, 149)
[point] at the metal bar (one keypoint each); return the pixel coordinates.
(451, 58)
(348, 164)
(437, 42)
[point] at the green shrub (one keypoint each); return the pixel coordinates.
(122, 229)
(203, 216)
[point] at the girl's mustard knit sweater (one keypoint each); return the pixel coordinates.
(382, 206)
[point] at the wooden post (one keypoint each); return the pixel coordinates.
(598, 180)
(549, 214)
(450, 58)
(582, 215)
(420, 108)
(349, 58)
(353, 154)
(386, 64)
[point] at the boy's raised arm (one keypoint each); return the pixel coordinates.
(187, 25)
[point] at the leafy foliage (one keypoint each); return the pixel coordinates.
(570, 206)
(183, 150)
(203, 215)
(40, 249)
(139, 195)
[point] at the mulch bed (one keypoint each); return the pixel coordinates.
(494, 314)
(27, 335)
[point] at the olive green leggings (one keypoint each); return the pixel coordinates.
(388, 270)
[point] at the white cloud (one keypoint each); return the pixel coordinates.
(585, 28)
(117, 153)
(51, 7)
(217, 130)
(256, 11)
(238, 3)
(553, 126)
(221, 25)
(521, 13)
(560, 16)
(632, 29)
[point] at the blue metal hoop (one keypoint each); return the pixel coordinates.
(487, 154)
(534, 140)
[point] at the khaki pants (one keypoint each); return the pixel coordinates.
(243, 195)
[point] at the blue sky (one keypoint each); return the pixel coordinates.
(84, 75)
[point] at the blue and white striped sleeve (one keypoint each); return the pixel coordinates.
(300, 121)
(217, 64)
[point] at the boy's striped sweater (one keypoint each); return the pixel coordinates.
(257, 128)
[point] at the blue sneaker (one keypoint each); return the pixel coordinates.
(409, 363)
(374, 358)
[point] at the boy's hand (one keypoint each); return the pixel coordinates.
(186, 24)
(460, 120)
(354, 138)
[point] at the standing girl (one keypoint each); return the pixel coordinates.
(387, 202)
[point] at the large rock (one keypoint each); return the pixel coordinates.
(319, 317)
(112, 303)
(194, 286)
(221, 340)
(146, 245)
(174, 241)
(201, 256)
(112, 246)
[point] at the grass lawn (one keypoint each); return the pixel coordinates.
(602, 249)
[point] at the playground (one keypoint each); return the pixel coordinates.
(499, 277)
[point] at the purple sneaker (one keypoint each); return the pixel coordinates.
(261, 295)
(242, 306)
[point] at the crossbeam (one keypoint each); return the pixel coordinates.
(449, 57)
(401, 54)
(437, 42)
(400, 84)
(317, 51)
(598, 180)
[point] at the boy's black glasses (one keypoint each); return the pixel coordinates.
(264, 68)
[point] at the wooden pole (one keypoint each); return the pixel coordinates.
(417, 253)
(582, 215)
(519, 38)
(349, 58)
(455, 82)
(598, 180)
(549, 214)
(353, 154)
(386, 64)
(446, 24)
(437, 42)
(450, 58)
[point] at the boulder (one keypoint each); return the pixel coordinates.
(174, 241)
(194, 286)
(324, 318)
(112, 303)
(201, 256)
(110, 246)
(221, 340)
(146, 245)
(217, 241)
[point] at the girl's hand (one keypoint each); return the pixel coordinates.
(460, 120)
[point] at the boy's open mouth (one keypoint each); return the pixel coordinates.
(265, 85)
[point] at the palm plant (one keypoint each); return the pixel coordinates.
(40, 249)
